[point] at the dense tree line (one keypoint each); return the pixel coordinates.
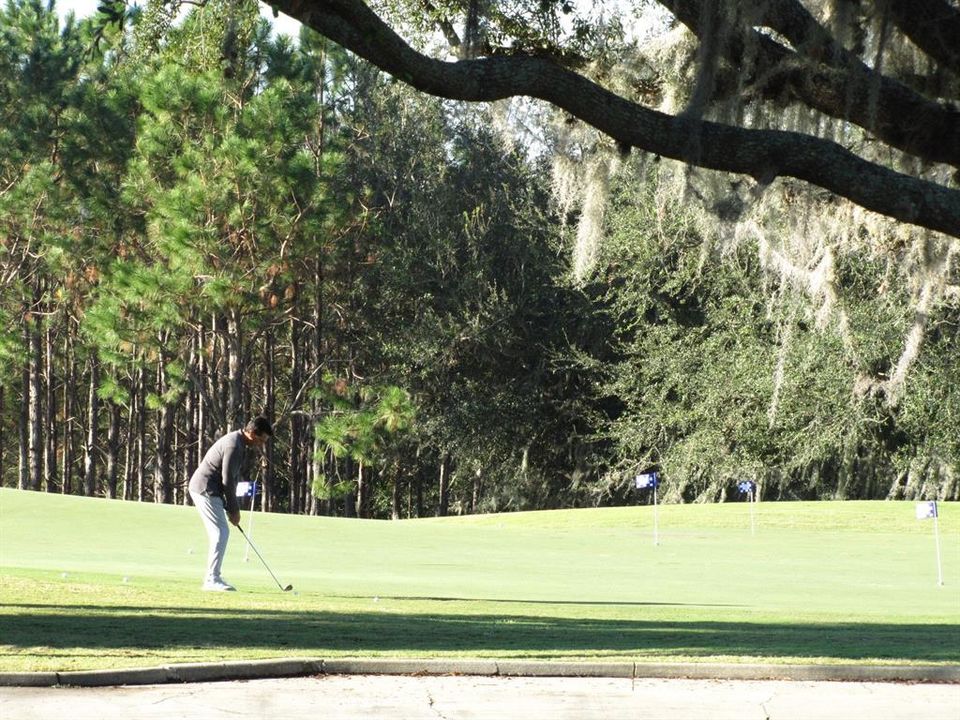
(200, 222)
(726, 370)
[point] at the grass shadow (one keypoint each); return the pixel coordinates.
(317, 633)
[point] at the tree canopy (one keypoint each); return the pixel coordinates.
(889, 68)
(453, 306)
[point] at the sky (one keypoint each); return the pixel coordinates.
(288, 26)
(86, 8)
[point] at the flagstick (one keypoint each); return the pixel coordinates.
(753, 496)
(253, 499)
(936, 533)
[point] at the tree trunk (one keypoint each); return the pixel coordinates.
(175, 485)
(69, 403)
(49, 414)
(269, 384)
(477, 487)
(361, 491)
(204, 421)
(444, 491)
(395, 499)
(235, 371)
(295, 471)
(189, 441)
(128, 451)
(140, 456)
(316, 465)
(420, 504)
(162, 490)
(323, 467)
(350, 498)
(35, 405)
(216, 381)
(93, 434)
(23, 423)
(113, 450)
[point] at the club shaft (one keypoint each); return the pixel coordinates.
(261, 558)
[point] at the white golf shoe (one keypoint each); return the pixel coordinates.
(218, 585)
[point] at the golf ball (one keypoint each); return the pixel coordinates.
(63, 575)
(126, 579)
(295, 592)
(190, 551)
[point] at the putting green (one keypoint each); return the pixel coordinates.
(89, 583)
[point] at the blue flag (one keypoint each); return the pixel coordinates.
(647, 480)
(926, 510)
(746, 486)
(244, 488)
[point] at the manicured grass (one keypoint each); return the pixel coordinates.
(88, 583)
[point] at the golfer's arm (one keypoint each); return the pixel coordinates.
(231, 470)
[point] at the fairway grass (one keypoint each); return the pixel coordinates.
(91, 583)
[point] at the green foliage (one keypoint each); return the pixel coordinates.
(458, 299)
(113, 391)
(362, 427)
(216, 171)
(65, 129)
(723, 373)
(327, 489)
(201, 195)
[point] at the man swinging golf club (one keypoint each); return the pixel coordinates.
(213, 488)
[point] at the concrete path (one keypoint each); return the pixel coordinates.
(375, 697)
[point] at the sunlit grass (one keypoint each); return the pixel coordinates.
(95, 583)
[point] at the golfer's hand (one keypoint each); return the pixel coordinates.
(234, 517)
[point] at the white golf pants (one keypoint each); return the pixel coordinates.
(218, 531)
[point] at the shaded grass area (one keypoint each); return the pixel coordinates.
(84, 633)
(186, 633)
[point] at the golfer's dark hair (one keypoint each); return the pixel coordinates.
(259, 426)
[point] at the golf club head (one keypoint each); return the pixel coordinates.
(288, 588)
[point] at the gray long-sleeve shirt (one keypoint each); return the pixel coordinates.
(221, 469)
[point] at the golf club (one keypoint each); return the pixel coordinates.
(288, 588)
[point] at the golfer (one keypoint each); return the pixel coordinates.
(213, 488)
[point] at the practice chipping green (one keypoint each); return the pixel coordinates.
(92, 583)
